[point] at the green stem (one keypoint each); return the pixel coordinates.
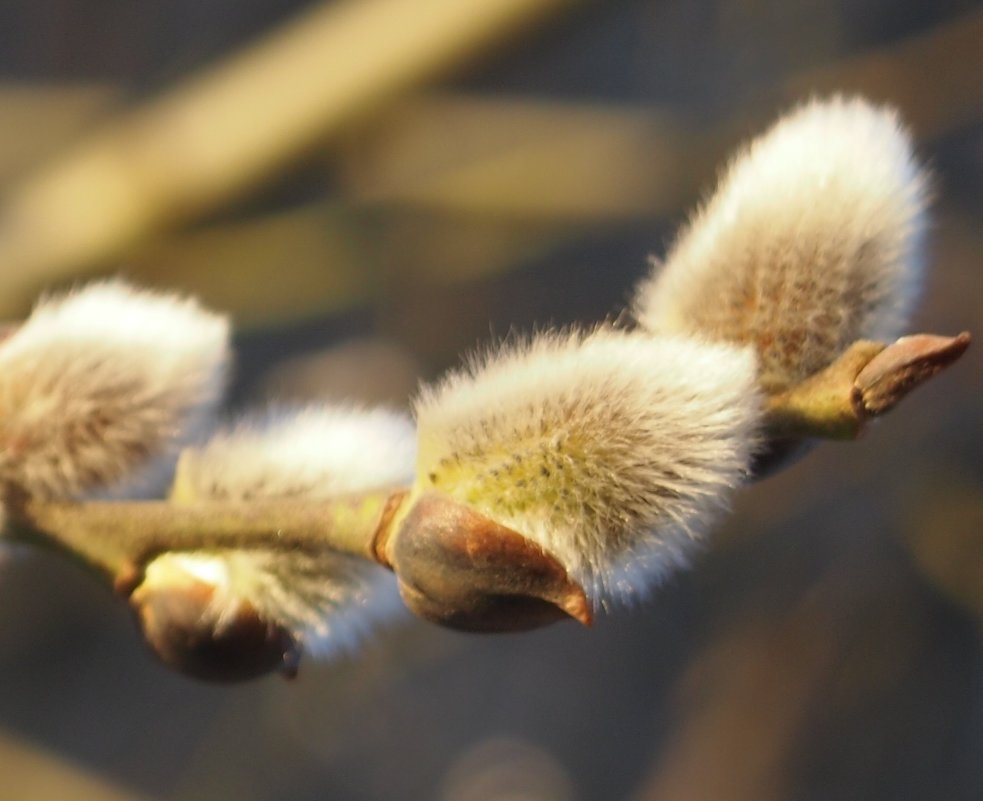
(118, 539)
(867, 380)
(823, 406)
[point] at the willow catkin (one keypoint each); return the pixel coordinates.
(612, 451)
(98, 382)
(810, 241)
(327, 601)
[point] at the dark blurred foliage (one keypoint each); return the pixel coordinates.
(825, 646)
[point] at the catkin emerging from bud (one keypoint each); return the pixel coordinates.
(611, 451)
(810, 242)
(97, 382)
(326, 600)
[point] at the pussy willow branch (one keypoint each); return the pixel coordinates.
(117, 539)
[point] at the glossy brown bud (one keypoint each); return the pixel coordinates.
(183, 630)
(462, 570)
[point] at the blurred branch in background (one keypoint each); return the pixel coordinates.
(455, 188)
(448, 187)
(41, 119)
(553, 161)
(227, 129)
(521, 159)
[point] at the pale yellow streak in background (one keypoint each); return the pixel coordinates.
(206, 141)
(443, 188)
(565, 161)
(521, 159)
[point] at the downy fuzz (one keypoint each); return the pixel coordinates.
(612, 451)
(98, 382)
(810, 242)
(312, 452)
(326, 601)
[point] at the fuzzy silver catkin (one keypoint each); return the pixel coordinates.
(811, 241)
(327, 601)
(313, 452)
(100, 381)
(612, 451)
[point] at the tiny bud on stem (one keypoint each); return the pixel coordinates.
(869, 379)
(899, 368)
(174, 614)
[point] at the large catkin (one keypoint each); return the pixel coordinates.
(612, 451)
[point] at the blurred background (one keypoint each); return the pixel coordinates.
(371, 188)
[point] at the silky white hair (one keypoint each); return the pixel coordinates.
(612, 451)
(98, 382)
(311, 451)
(328, 601)
(811, 241)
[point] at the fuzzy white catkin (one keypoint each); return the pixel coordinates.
(811, 241)
(99, 381)
(328, 602)
(314, 452)
(612, 451)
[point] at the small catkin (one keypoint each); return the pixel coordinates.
(612, 451)
(314, 452)
(97, 383)
(327, 601)
(811, 241)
